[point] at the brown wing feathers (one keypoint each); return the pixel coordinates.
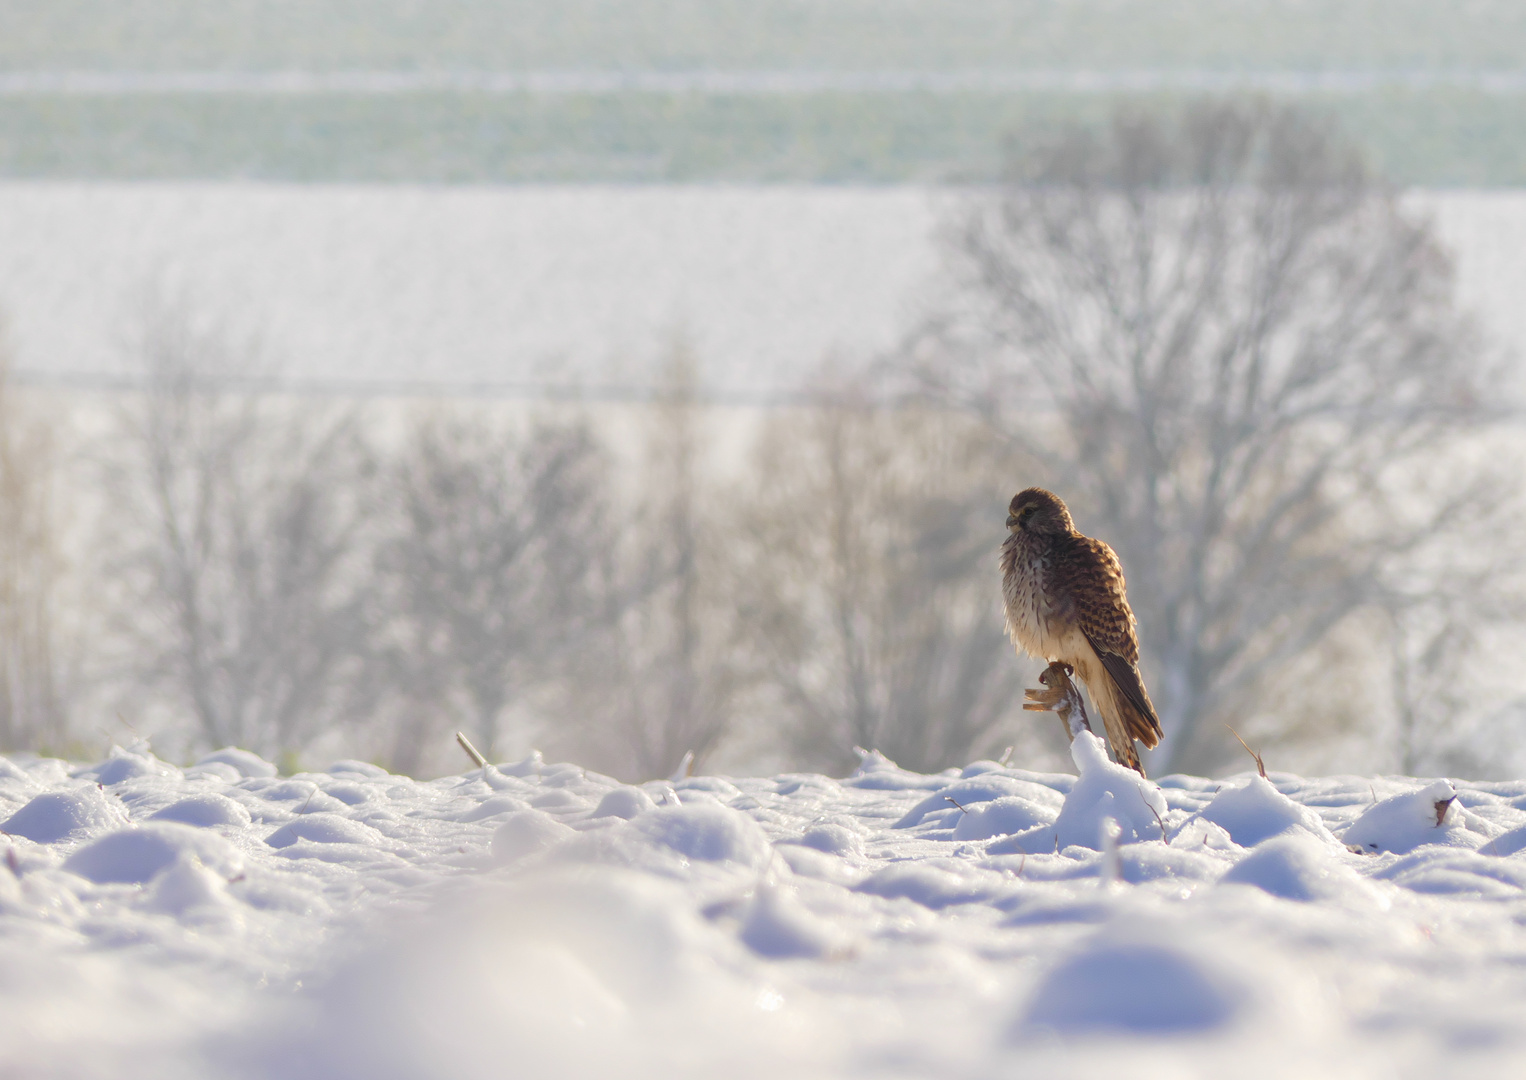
(1096, 588)
(1142, 722)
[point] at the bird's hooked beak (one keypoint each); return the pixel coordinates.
(1011, 521)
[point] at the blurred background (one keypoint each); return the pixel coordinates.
(644, 381)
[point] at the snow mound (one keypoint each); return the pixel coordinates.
(325, 828)
(1256, 810)
(1296, 866)
(707, 832)
(187, 886)
(624, 802)
(834, 838)
(1139, 863)
(56, 816)
(777, 925)
(1002, 817)
(968, 794)
(351, 767)
(1401, 823)
(204, 810)
(301, 796)
(525, 833)
(137, 855)
(1138, 988)
(121, 765)
(566, 974)
(935, 887)
(1507, 843)
(242, 762)
(1456, 872)
(530, 765)
(1107, 791)
(876, 772)
(494, 807)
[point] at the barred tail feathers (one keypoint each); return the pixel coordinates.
(1119, 700)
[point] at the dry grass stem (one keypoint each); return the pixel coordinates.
(471, 751)
(1260, 765)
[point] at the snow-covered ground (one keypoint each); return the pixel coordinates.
(539, 920)
(388, 286)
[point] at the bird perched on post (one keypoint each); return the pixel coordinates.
(1065, 602)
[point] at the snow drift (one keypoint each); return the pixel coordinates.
(535, 919)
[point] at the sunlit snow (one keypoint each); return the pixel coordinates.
(541, 920)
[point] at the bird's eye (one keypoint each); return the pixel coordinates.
(1026, 512)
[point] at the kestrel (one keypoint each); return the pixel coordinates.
(1065, 602)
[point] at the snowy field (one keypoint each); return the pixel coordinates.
(537, 920)
(395, 286)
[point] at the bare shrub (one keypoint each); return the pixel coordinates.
(495, 568)
(867, 585)
(33, 708)
(663, 680)
(236, 530)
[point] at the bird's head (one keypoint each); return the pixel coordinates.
(1038, 511)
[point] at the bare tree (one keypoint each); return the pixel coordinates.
(1446, 614)
(867, 589)
(501, 541)
(239, 519)
(670, 681)
(32, 706)
(1227, 345)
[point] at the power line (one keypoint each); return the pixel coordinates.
(615, 393)
(366, 83)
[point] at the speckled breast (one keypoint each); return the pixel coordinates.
(1028, 612)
